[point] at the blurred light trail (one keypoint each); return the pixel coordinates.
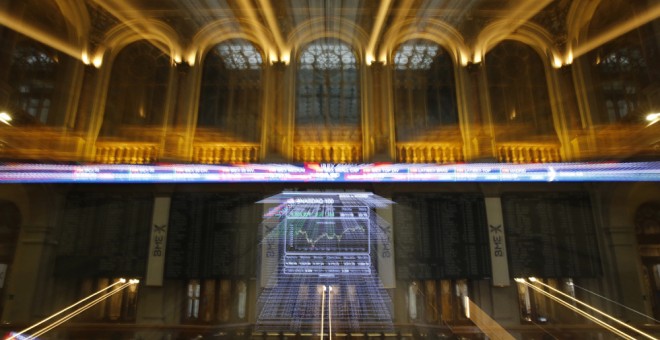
(577, 310)
(618, 304)
(40, 35)
(533, 280)
(82, 309)
(377, 29)
(617, 31)
(66, 309)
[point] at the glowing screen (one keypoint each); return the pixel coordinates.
(327, 239)
(320, 254)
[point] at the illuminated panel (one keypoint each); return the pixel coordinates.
(327, 239)
(317, 266)
(326, 173)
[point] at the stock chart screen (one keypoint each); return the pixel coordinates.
(327, 239)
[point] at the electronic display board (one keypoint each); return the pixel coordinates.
(551, 235)
(317, 246)
(327, 239)
(328, 173)
(441, 236)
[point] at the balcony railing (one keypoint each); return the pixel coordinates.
(336, 144)
(327, 153)
(515, 152)
(126, 152)
(428, 152)
(217, 153)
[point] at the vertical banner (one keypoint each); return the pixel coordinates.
(385, 246)
(157, 242)
(496, 236)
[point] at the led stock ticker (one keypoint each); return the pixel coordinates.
(328, 173)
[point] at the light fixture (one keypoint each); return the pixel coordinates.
(5, 118)
(97, 61)
(653, 117)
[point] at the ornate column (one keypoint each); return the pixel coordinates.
(179, 130)
(382, 131)
(273, 113)
(474, 112)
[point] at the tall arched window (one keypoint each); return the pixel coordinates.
(424, 90)
(33, 78)
(230, 99)
(138, 91)
(518, 90)
(327, 92)
(625, 70)
(38, 77)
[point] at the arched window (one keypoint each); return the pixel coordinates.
(518, 90)
(624, 69)
(230, 99)
(33, 78)
(327, 91)
(137, 94)
(424, 90)
(37, 77)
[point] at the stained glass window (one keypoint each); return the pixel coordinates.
(230, 99)
(328, 91)
(416, 55)
(239, 55)
(424, 90)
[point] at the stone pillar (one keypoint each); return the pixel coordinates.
(179, 129)
(273, 113)
(476, 124)
(382, 129)
(626, 264)
(29, 279)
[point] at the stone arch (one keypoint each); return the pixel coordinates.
(433, 30)
(222, 30)
(530, 34)
(77, 17)
(311, 30)
(163, 36)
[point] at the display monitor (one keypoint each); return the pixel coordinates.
(327, 239)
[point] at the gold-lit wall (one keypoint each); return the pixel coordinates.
(121, 85)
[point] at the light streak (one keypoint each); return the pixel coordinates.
(323, 311)
(66, 309)
(5, 118)
(141, 29)
(617, 31)
(484, 322)
(80, 310)
(652, 118)
(274, 27)
(43, 36)
(330, 312)
(377, 29)
(516, 17)
(247, 8)
(577, 310)
(610, 300)
(533, 280)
